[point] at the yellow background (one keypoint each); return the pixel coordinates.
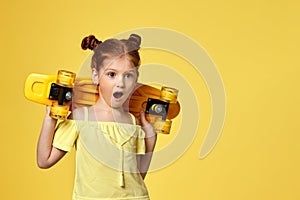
(255, 45)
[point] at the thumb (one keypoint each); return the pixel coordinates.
(48, 108)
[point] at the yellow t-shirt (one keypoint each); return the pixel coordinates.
(106, 165)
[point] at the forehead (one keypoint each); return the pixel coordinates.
(119, 64)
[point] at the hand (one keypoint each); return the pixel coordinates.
(147, 126)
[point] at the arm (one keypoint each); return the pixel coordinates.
(150, 141)
(47, 155)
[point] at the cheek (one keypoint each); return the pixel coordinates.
(131, 84)
(105, 88)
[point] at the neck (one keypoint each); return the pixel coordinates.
(104, 107)
(106, 113)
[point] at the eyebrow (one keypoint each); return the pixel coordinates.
(131, 70)
(113, 69)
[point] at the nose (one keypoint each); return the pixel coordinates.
(120, 82)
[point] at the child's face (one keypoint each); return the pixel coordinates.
(117, 79)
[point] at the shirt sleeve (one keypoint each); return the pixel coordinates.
(65, 135)
(140, 142)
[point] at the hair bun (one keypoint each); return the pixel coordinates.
(136, 39)
(90, 42)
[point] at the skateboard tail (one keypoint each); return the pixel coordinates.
(37, 88)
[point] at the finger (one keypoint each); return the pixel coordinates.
(48, 109)
(143, 118)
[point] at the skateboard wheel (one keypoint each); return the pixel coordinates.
(59, 112)
(65, 78)
(157, 108)
(163, 127)
(169, 94)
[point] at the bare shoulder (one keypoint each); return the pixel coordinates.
(77, 114)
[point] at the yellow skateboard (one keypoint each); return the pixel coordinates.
(63, 93)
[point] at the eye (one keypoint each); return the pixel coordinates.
(129, 75)
(111, 74)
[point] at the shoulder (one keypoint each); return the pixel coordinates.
(77, 114)
(133, 119)
(137, 121)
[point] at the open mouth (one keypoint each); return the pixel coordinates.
(118, 95)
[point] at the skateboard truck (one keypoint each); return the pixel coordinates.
(60, 93)
(157, 109)
(51, 90)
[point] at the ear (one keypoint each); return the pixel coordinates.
(95, 76)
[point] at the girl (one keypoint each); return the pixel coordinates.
(113, 150)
